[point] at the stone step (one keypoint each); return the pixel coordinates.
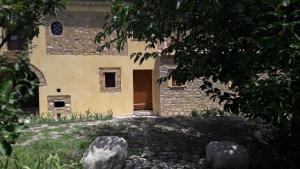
(143, 113)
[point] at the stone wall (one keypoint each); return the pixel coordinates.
(79, 31)
(181, 100)
(59, 110)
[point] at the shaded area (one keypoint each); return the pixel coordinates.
(32, 104)
(177, 142)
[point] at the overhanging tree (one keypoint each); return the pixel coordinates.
(255, 44)
(22, 18)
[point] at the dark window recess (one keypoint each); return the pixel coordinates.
(59, 104)
(58, 90)
(110, 79)
(15, 42)
(175, 83)
(56, 28)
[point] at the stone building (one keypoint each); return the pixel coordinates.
(75, 77)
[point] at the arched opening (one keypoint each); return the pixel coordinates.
(56, 28)
(31, 105)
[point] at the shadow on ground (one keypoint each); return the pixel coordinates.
(176, 142)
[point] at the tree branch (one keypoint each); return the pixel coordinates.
(5, 39)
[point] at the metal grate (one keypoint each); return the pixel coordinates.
(56, 28)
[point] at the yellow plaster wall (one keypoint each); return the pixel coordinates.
(78, 76)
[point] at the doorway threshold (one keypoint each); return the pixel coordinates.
(143, 113)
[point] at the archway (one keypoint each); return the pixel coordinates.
(38, 74)
(31, 106)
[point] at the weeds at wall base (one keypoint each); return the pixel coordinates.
(63, 118)
(212, 112)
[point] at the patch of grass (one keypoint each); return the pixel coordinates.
(64, 152)
(68, 153)
(79, 127)
(46, 132)
(67, 136)
(50, 162)
(67, 149)
(26, 136)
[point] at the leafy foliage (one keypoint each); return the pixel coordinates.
(22, 18)
(252, 43)
(15, 86)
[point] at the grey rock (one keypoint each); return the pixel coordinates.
(137, 162)
(106, 152)
(227, 154)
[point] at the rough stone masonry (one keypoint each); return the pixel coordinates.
(182, 100)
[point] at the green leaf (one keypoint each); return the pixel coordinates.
(5, 89)
(5, 69)
(5, 148)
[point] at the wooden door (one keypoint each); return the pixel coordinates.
(142, 87)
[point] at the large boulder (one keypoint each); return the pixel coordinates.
(226, 155)
(106, 152)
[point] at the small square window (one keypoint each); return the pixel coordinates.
(110, 79)
(174, 83)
